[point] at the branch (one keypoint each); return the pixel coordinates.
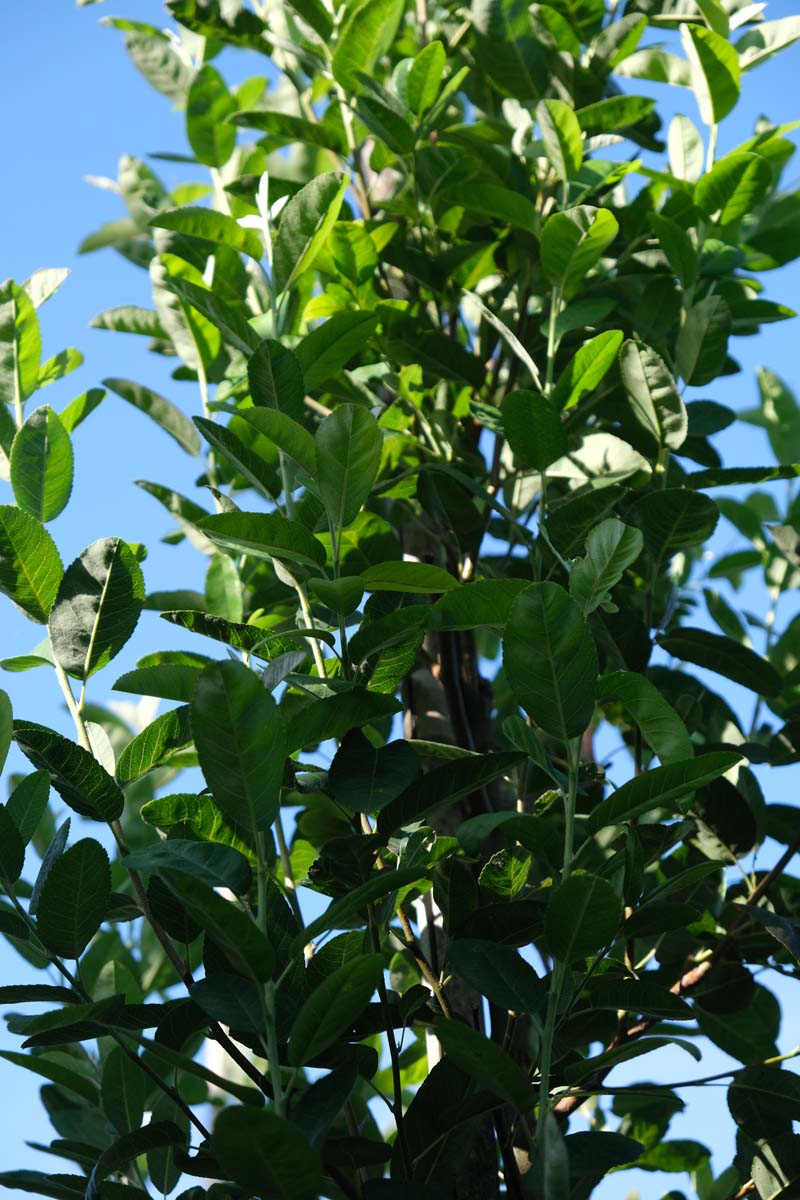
(689, 980)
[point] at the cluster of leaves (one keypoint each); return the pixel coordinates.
(440, 313)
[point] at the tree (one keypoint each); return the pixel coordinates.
(445, 320)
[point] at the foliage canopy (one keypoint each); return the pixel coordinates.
(449, 300)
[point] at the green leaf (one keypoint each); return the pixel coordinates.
(409, 577)
(678, 248)
(223, 316)
(306, 222)
(59, 366)
(582, 917)
(661, 727)
(555, 1159)
(334, 716)
(155, 745)
(74, 899)
(27, 803)
(208, 105)
(275, 378)
(199, 814)
(365, 779)
(233, 718)
(128, 1148)
(340, 914)
(233, 931)
(54, 851)
(722, 654)
(122, 1091)
(611, 547)
(12, 849)
(260, 474)
(714, 70)
(617, 112)
(59, 1187)
(652, 395)
(733, 187)
(444, 785)
(215, 864)
(30, 568)
(333, 1008)
(170, 681)
(20, 344)
(486, 1063)
(487, 602)
(499, 973)
(326, 349)
(55, 1072)
(533, 428)
(550, 660)
(348, 456)
(425, 77)
(211, 226)
(561, 135)
(160, 410)
(79, 409)
(97, 607)
(572, 243)
(663, 787)
(267, 1155)
(229, 998)
(624, 1053)
(702, 344)
(588, 368)
(366, 34)
(75, 774)
(285, 128)
(672, 519)
(640, 996)
(264, 535)
(42, 465)
(763, 1098)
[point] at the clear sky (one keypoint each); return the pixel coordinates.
(74, 104)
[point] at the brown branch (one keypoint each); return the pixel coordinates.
(689, 980)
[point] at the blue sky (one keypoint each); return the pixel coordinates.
(75, 103)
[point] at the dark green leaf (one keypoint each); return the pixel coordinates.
(532, 424)
(550, 660)
(264, 535)
(74, 899)
(233, 931)
(661, 727)
(611, 547)
(725, 656)
(123, 1091)
(28, 802)
(652, 395)
(334, 716)
(234, 718)
(487, 1063)
(410, 577)
(333, 1008)
(444, 785)
(75, 774)
(662, 787)
(582, 917)
(12, 850)
(674, 519)
(498, 972)
(259, 473)
(326, 349)
(128, 1148)
(215, 864)
(573, 242)
(266, 1155)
